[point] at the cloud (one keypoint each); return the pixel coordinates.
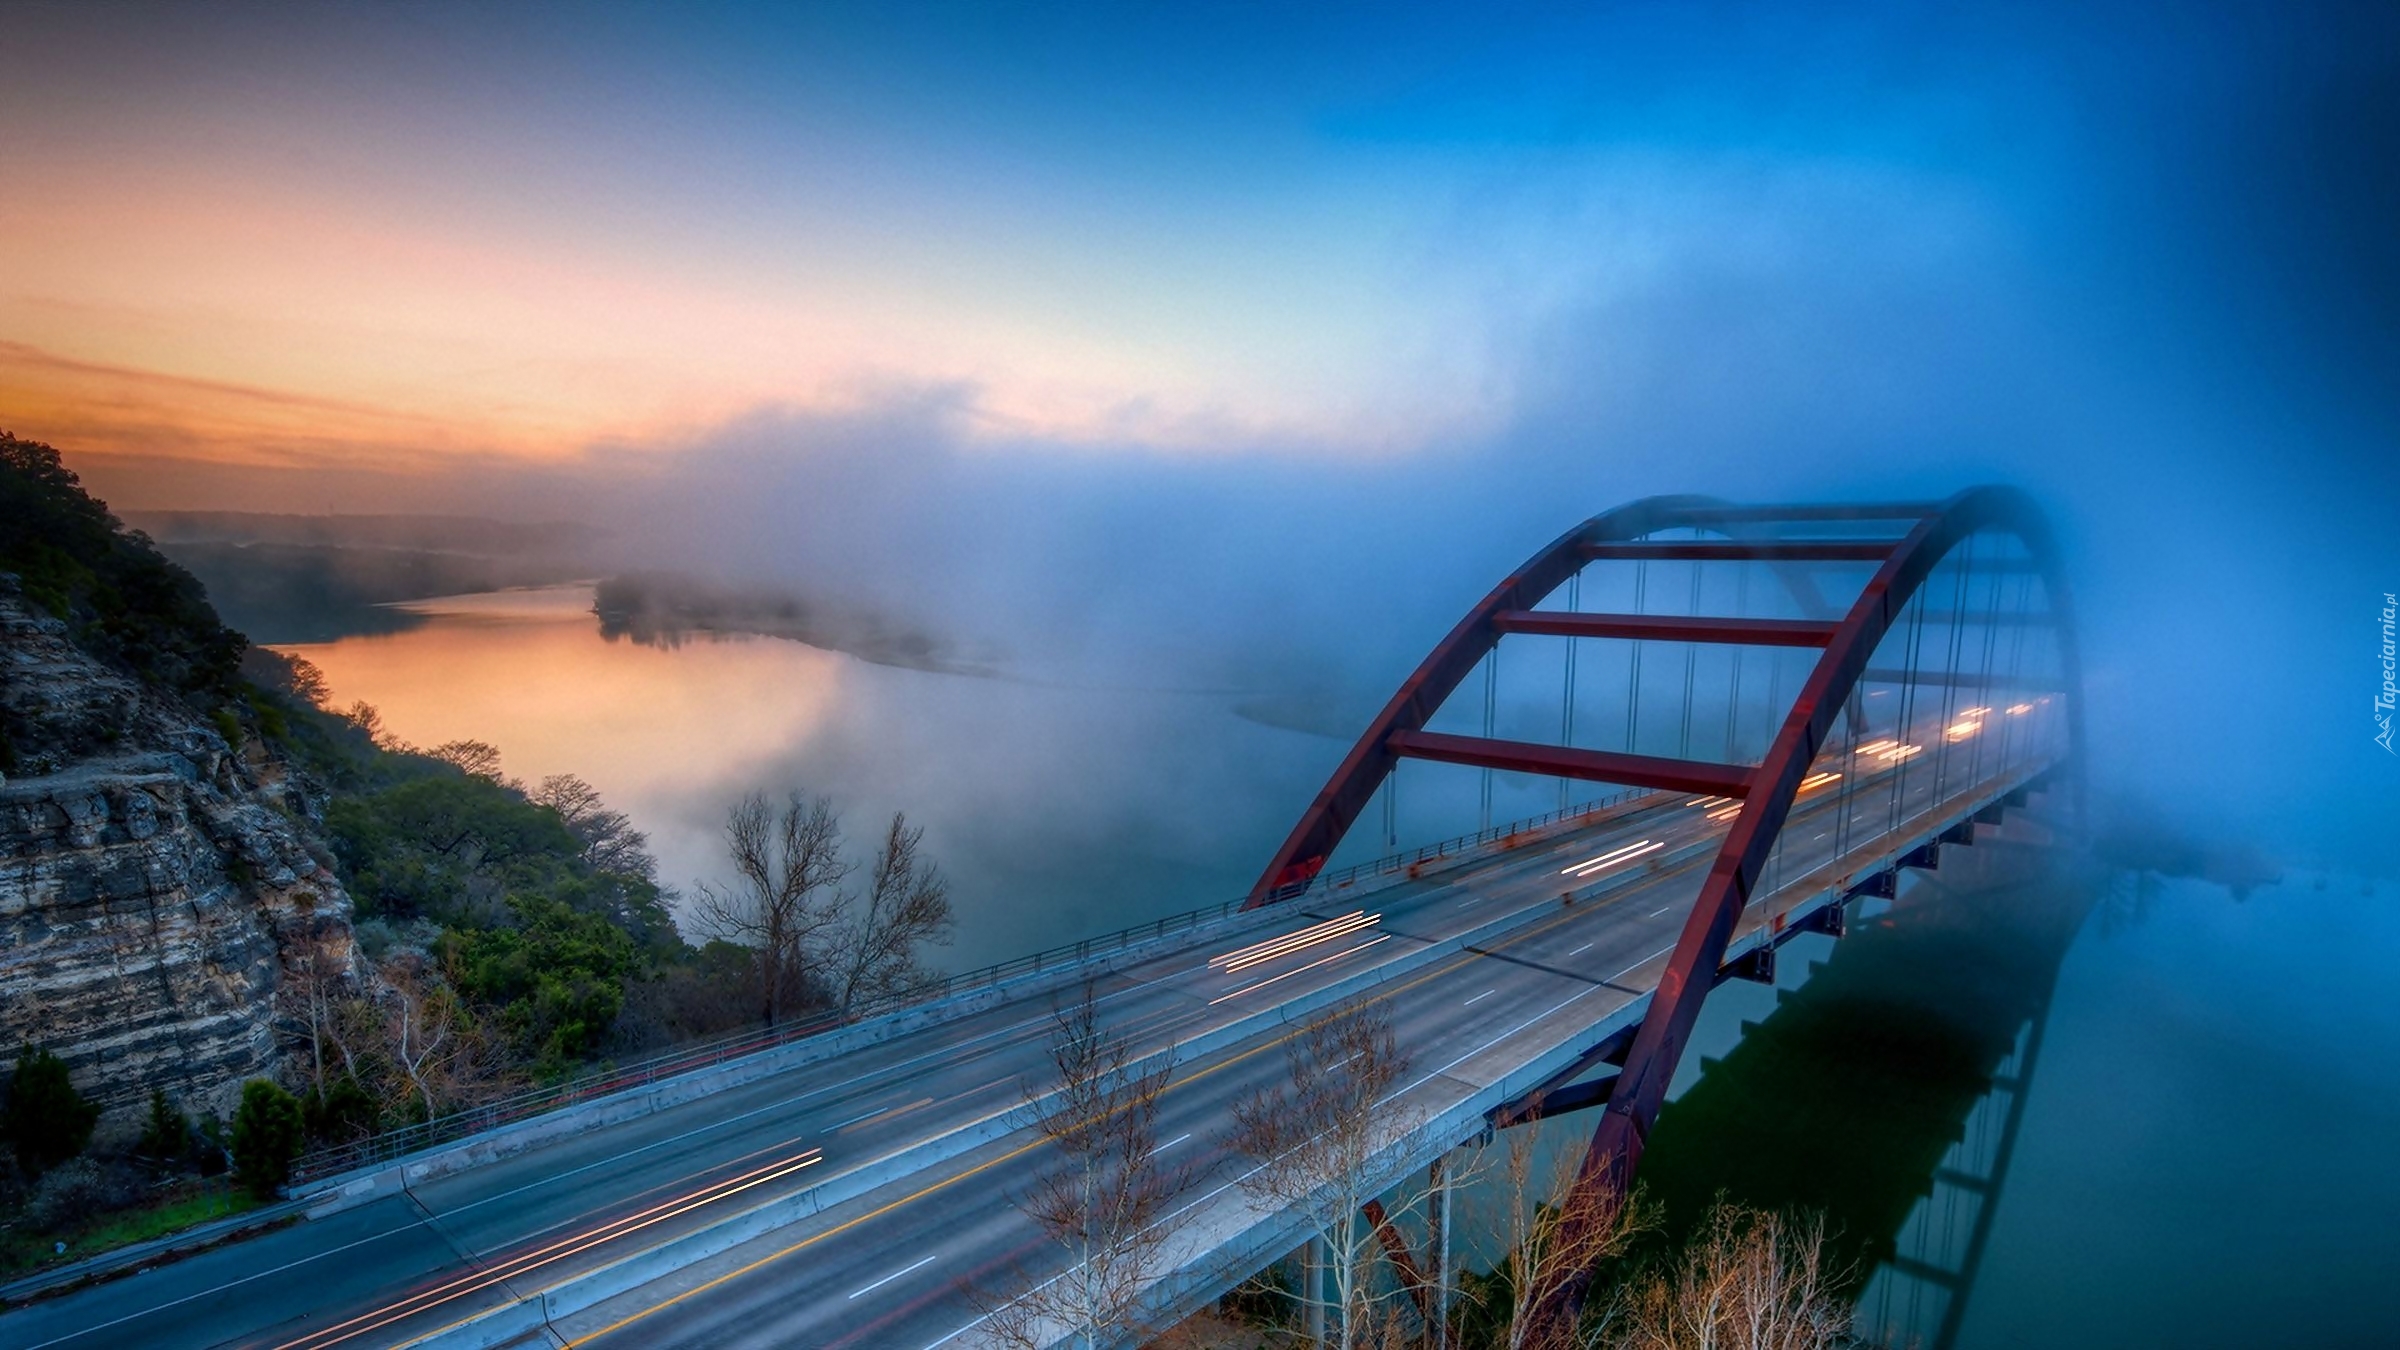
(100, 408)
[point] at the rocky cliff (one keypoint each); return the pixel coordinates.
(153, 879)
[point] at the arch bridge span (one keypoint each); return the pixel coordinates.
(1937, 586)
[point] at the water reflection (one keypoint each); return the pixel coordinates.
(2169, 1124)
(1059, 810)
(1883, 1088)
(2207, 1157)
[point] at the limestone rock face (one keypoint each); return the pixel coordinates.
(152, 882)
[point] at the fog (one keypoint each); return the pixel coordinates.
(2157, 291)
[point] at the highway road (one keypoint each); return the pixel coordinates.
(897, 1266)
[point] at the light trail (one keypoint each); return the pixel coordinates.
(527, 1262)
(1583, 870)
(1272, 979)
(885, 1113)
(1288, 943)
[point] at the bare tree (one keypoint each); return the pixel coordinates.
(786, 864)
(1556, 1236)
(1105, 1203)
(475, 759)
(422, 1031)
(872, 939)
(309, 996)
(610, 843)
(1747, 1281)
(1319, 1137)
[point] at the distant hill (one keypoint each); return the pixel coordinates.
(281, 593)
(476, 535)
(296, 578)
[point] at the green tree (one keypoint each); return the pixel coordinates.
(48, 1121)
(432, 846)
(558, 978)
(266, 1136)
(167, 1137)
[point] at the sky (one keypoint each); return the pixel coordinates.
(1266, 336)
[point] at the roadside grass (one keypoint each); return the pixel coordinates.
(25, 1253)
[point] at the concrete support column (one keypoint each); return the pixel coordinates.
(1316, 1273)
(1437, 1195)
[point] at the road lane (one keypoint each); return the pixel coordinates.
(867, 1104)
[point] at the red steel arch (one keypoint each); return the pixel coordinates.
(1767, 790)
(1641, 1088)
(1399, 728)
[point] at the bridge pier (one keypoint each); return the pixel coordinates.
(1316, 1280)
(1437, 1191)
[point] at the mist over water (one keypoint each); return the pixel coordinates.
(1059, 809)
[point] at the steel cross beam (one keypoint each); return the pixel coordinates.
(1558, 761)
(1354, 781)
(1736, 550)
(1792, 513)
(1666, 627)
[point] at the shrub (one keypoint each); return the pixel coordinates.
(47, 1120)
(266, 1136)
(341, 1111)
(76, 1192)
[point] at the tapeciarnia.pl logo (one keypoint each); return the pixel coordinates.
(2384, 699)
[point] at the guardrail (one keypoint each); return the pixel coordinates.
(707, 1054)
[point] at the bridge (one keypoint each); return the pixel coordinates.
(1762, 714)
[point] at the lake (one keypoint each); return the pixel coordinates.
(1059, 808)
(2204, 1155)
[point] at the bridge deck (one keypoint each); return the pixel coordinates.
(1493, 984)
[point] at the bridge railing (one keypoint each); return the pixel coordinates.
(705, 1054)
